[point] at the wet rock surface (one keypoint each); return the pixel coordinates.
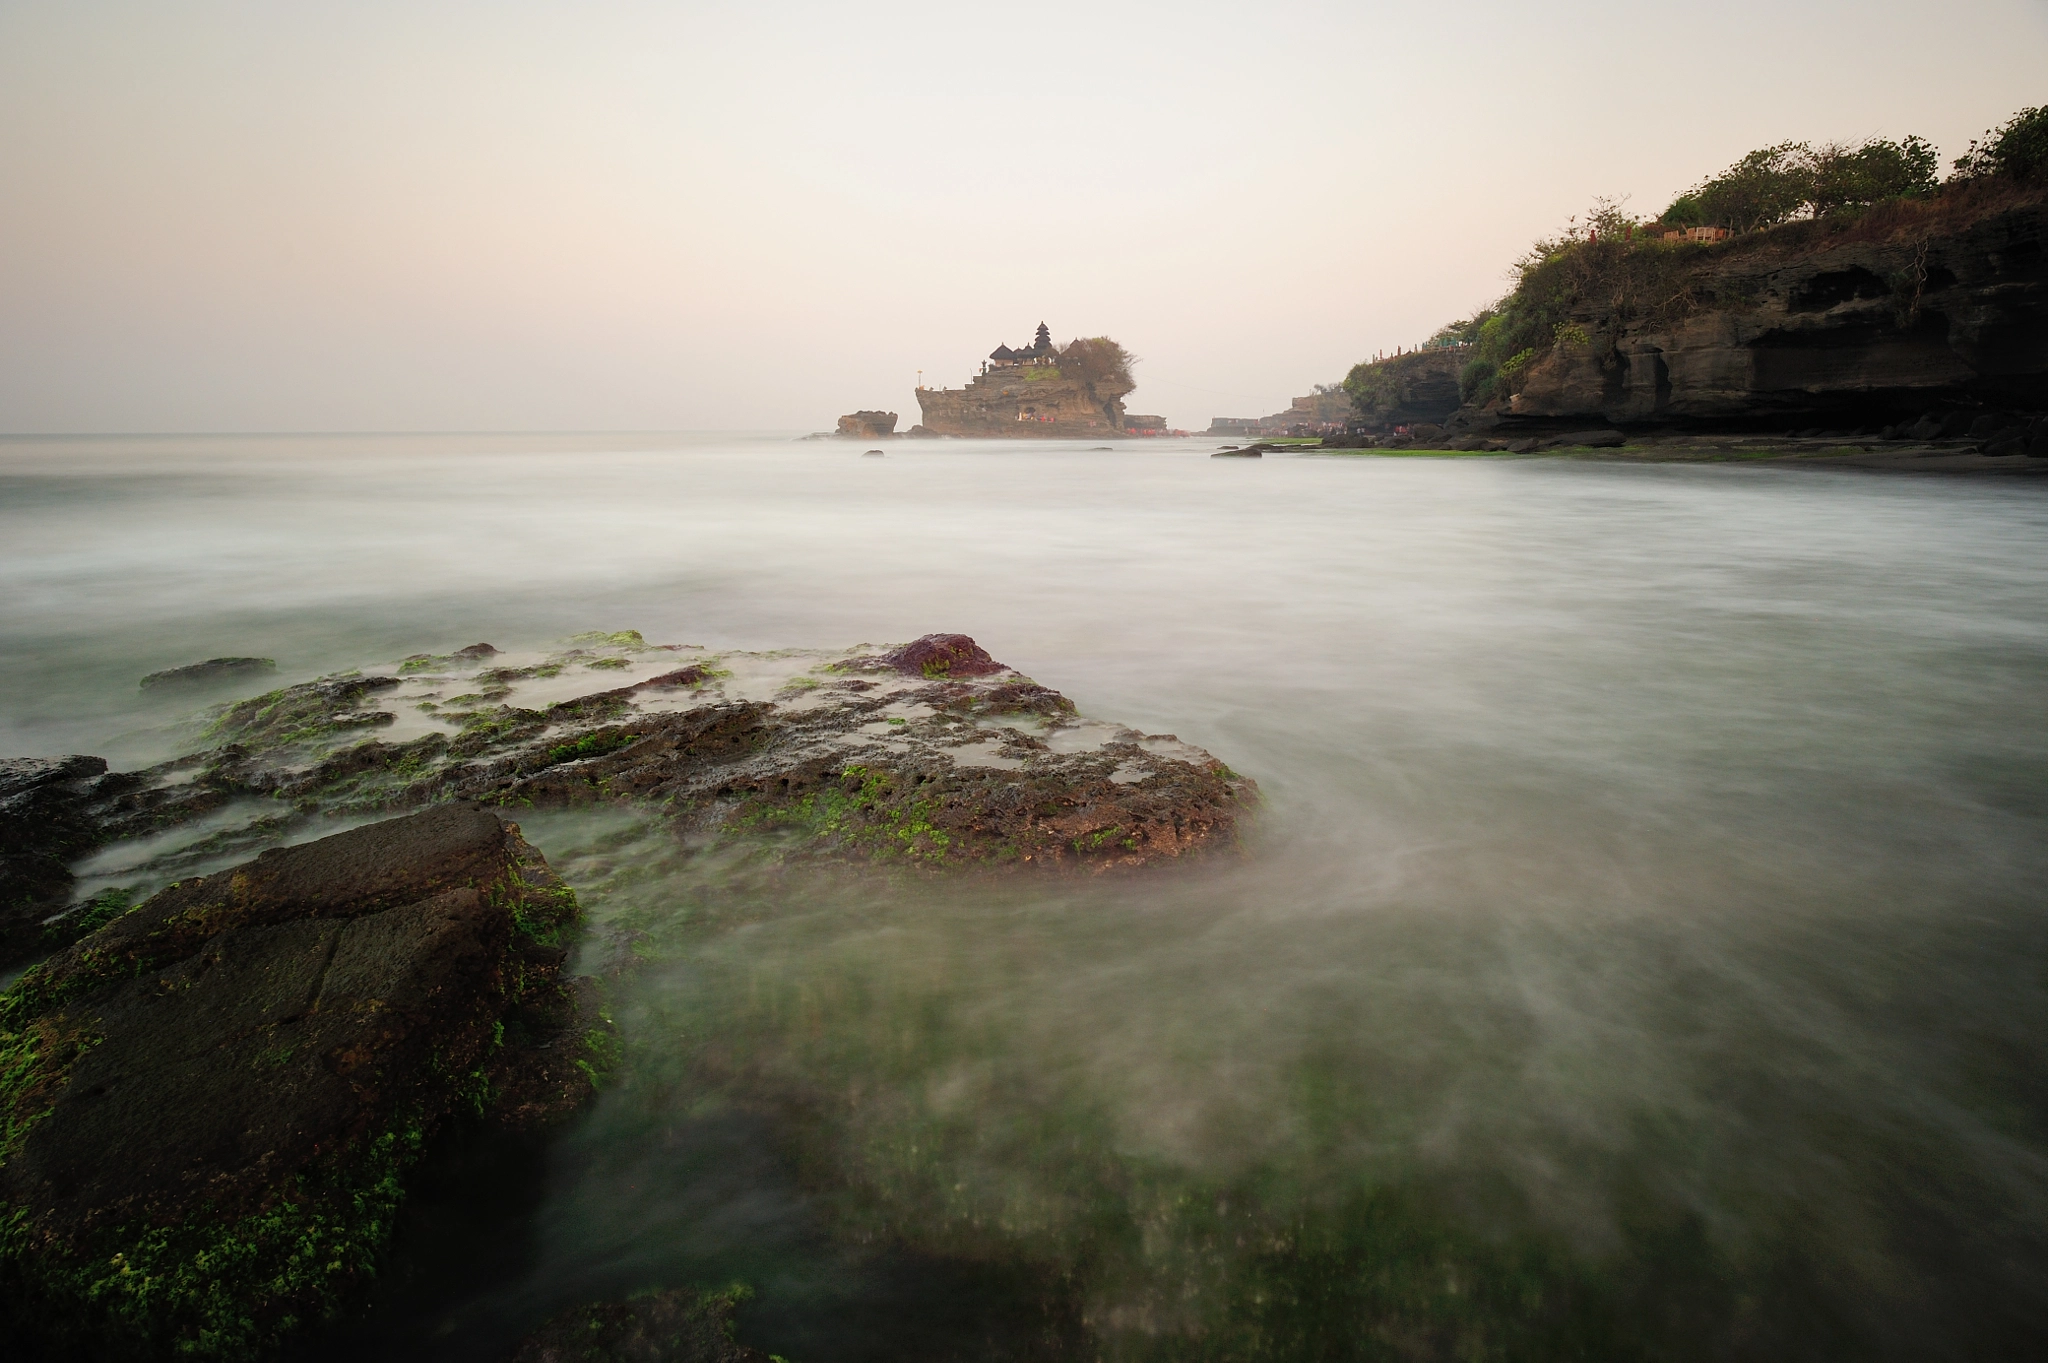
(207, 1107)
(678, 1326)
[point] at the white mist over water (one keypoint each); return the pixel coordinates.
(1665, 835)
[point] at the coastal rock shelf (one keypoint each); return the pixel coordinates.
(932, 756)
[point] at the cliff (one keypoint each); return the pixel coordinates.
(1404, 390)
(1925, 306)
(1026, 401)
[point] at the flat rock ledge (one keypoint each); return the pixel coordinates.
(209, 1105)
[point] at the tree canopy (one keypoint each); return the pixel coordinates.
(1776, 184)
(1097, 361)
(2016, 149)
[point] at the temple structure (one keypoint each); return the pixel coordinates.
(1031, 392)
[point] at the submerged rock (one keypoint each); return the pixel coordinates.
(678, 1326)
(212, 670)
(208, 1106)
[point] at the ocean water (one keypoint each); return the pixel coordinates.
(1642, 950)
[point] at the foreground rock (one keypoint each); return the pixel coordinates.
(679, 1326)
(207, 1107)
(933, 756)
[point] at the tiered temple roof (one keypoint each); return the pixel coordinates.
(1038, 349)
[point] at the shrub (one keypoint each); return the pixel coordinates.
(1476, 380)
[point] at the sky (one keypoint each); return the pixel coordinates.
(721, 216)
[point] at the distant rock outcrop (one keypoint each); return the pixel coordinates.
(867, 425)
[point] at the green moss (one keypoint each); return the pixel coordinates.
(98, 911)
(871, 817)
(219, 1286)
(592, 745)
(603, 664)
(625, 638)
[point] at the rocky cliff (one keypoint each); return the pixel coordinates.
(1940, 307)
(1028, 400)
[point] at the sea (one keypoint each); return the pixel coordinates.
(1640, 950)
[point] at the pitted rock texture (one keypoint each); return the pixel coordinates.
(208, 1105)
(1803, 329)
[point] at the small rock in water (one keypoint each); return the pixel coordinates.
(212, 670)
(873, 454)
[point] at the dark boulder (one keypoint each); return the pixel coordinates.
(212, 670)
(46, 823)
(208, 1106)
(679, 1326)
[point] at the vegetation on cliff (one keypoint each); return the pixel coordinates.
(1792, 196)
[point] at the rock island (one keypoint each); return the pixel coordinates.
(1043, 390)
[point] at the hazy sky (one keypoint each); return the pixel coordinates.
(372, 216)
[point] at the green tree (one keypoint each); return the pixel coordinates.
(2016, 149)
(1098, 362)
(1856, 177)
(1763, 189)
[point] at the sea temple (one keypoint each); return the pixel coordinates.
(1039, 390)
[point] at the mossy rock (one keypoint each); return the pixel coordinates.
(208, 1106)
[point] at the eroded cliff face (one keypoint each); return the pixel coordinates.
(1819, 327)
(1027, 400)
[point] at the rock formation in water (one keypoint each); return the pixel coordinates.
(1039, 391)
(1939, 307)
(208, 1106)
(867, 425)
(932, 756)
